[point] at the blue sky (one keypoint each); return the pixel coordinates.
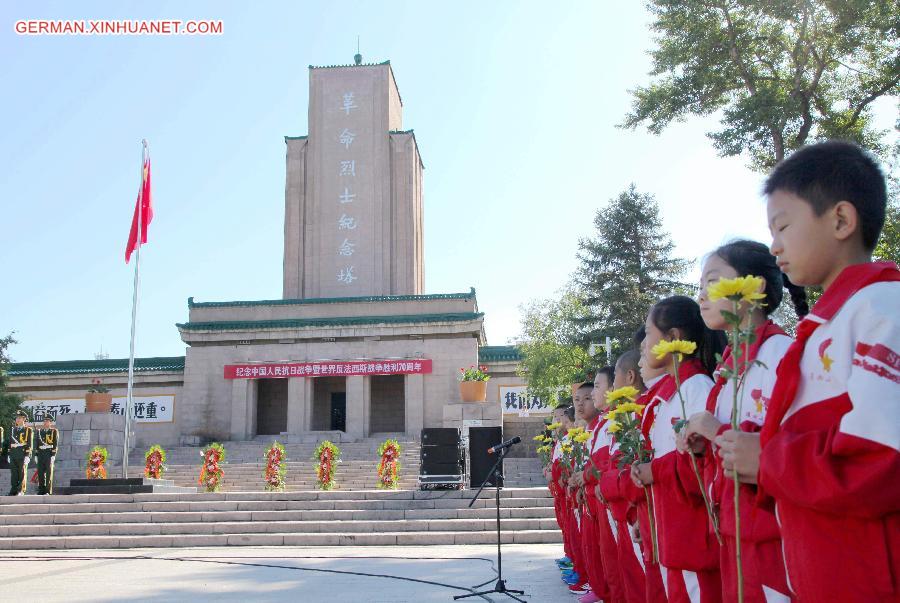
(514, 105)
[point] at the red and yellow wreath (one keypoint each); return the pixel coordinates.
(276, 469)
(211, 473)
(389, 465)
(96, 460)
(153, 462)
(327, 456)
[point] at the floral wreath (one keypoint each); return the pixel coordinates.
(153, 462)
(327, 455)
(96, 460)
(389, 465)
(276, 469)
(210, 473)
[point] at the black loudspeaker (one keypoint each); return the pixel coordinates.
(440, 454)
(441, 436)
(480, 462)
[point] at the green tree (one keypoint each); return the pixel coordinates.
(9, 403)
(625, 268)
(779, 72)
(552, 358)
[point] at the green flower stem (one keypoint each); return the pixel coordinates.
(735, 424)
(653, 540)
(676, 357)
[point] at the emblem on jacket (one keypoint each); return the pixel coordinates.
(823, 355)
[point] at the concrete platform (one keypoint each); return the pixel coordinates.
(263, 574)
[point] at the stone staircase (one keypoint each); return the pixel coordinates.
(302, 518)
(244, 467)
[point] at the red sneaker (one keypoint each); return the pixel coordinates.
(580, 589)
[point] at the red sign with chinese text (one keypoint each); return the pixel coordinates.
(342, 368)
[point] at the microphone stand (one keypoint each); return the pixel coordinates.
(500, 586)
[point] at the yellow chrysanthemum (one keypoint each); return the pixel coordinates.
(611, 415)
(742, 288)
(582, 437)
(623, 393)
(554, 426)
(676, 346)
(538, 438)
(614, 427)
(566, 449)
(574, 431)
(630, 407)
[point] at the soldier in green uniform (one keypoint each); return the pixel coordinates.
(19, 452)
(47, 443)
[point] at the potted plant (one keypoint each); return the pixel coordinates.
(97, 398)
(473, 383)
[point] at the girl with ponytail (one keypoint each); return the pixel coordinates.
(688, 552)
(762, 564)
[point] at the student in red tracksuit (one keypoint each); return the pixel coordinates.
(553, 473)
(831, 438)
(762, 563)
(689, 554)
(562, 502)
(587, 521)
(605, 537)
(615, 486)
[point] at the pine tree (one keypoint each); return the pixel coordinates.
(626, 268)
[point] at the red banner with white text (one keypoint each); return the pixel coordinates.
(340, 368)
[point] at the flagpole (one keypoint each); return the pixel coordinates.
(134, 305)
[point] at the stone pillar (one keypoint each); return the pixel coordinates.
(299, 418)
(357, 406)
(243, 408)
(105, 429)
(415, 405)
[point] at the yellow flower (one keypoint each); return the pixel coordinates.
(582, 437)
(554, 426)
(538, 438)
(566, 449)
(742, 288)
(627, 392)
(630, 407)
(612, 414)
(614, 427)
(575, 431)
(676, 346)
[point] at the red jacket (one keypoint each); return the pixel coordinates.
(831, 442)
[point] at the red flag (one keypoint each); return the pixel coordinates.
(145, 206)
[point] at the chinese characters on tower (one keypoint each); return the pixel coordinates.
(347, 173)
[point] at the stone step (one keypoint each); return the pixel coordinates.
(282, 539)
(280, 527)
(207, 516)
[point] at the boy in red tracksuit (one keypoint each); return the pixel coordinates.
(558, 485)
(603, 532)
(615, 486)
(587, 519)
(653, 379)
(553, 473)
(830, 443)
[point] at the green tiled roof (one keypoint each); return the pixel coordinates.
(287, 138)
(109, 365)
(499, 353)
(330, 300)
(298, 323)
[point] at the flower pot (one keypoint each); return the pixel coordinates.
(95, 402)
(473, 391)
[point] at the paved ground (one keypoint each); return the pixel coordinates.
(333, 574)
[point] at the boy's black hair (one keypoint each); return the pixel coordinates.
(682, 313)
(825, 173)
(587, 385)
(629, 361)
(753, 258)
(610, 373)
(570, 412)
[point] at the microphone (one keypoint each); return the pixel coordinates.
(504, 445)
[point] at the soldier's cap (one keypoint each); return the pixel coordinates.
(21, 413)
(48, 418)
